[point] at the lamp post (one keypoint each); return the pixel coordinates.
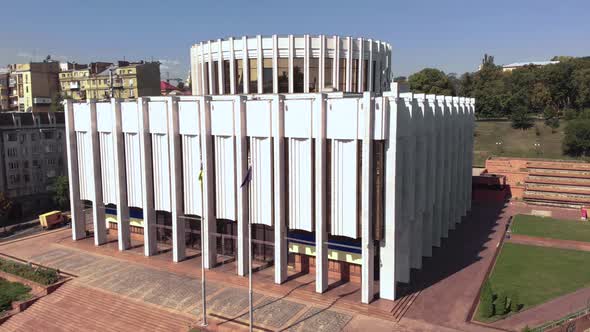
(499, 147)
(538, 148)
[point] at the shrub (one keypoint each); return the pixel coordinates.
(570, 114)
(5, 302)
(521, 120)
(526, 329)
(39, 275)
(515, 304)
(501, 304)
(486, 304)
(577, 138)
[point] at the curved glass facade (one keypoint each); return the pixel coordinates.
(290, 64)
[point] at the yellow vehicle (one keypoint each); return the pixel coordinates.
(50, 219)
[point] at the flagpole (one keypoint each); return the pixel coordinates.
(250, 271)
(203, 292)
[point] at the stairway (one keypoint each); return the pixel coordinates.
(74, 307)
(564, 184)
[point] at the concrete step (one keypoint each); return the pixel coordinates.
(572, 166)
(567, 190)
(560, 174)
(557, 181)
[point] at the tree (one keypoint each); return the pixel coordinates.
(581, 85)
(61, 192)
(430, 81)
(551, 117)
(521, 119)
(486, 302)
(501, 304)
(5, 208)
(576, 141)
(56, 103)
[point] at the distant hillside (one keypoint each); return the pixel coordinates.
(516, 142)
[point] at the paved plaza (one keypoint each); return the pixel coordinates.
(452, 276)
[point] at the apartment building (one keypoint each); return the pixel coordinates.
(33, 154)
(103, 80)
(4, 89)
(32, 85)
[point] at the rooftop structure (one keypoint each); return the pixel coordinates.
(516, 65)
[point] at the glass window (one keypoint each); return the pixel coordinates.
(267, 76)
(215, 69)
(328, 70)
(226, 78)
(253, 71)
(355, 75)
(239, 75)
(365, 71)
(314, 72)
(206, 76)
(298, 75)
(283, 73)
(373, 76)
(342, 80)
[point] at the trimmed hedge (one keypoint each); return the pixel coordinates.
(40, 275)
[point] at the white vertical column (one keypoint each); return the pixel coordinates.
(360, 86)
(405, 186)
(430, 181)
(306, 56)
(447, 154)
(98, 213)
(337, 51)
(420, 181)
(280, 226)
(77, 212)
(370, 69)
(322, 63)
(241, 170)
(210, 69)
(388, 251)
(260, 62)
(232, 67)
(178, 224)
(368, 245)
(219, 68)
(321, 190)
(246, 66)
(123, 230)
(147, 179)
(204, 87)
(438, 167)
(210, 222)
(349, 65)
(291, 55)
(275, 64)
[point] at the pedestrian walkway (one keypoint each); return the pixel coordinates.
(74, 307)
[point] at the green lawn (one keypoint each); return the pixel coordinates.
(516, 142)
(551, 228)
(538, 274)
(10, 292)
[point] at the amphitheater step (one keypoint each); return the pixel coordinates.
(558, 181)
(582, 191)
(560, 174)
(566, 166)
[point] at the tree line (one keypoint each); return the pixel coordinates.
(550, 92)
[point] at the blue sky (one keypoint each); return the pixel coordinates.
(450, 35)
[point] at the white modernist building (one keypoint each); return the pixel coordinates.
(367, 179)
